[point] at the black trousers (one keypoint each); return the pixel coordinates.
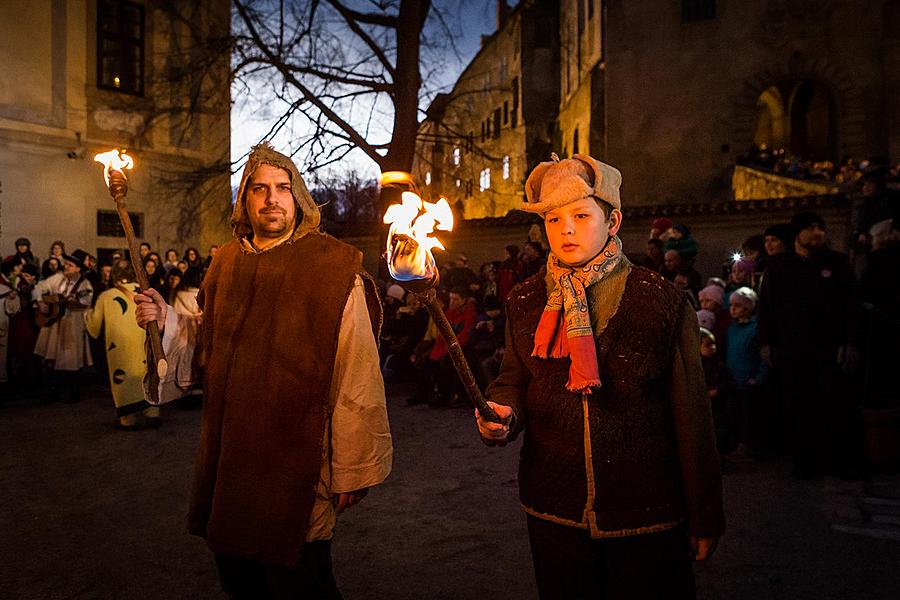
(569, 565)
(243, 578)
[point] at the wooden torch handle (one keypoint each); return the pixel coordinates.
(118, 189)
(457, 356)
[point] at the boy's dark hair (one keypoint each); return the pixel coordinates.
(656, 242)
(605, 206)
(460, 291)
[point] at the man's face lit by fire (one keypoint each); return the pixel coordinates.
(577, 232)
(270, 203)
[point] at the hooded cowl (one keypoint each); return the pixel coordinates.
(307, 211)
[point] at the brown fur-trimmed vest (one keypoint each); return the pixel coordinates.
(617, 472)
(269, 336)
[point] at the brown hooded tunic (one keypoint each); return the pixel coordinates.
(270, 334)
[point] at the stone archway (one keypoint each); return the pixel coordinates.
(797, 115)
(848, 134)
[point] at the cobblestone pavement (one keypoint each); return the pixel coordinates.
(91, 512)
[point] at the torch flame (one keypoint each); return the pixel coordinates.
(114, 159)
(409, 242)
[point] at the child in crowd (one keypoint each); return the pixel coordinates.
(712, 299)
(745, 368)
(742, 275)
(716, 377)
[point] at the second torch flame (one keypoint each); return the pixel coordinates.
(114, 160)
(409, 242)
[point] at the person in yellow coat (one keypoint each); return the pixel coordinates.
(125, 353)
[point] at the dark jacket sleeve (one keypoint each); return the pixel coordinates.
(511, 386)
(765, 310)
(694, 431)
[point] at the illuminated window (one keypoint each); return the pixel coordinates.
(456, 156)
(120, 46)
(484, 180)
(506, 167)
(427, 177)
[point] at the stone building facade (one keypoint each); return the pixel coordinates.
(690, 85)
(480, 141)
(78, 77)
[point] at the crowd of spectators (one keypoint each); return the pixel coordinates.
(48, 312)
(849, 171)
(785, 325)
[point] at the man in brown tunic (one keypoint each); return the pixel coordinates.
(294, 426)
(619, 475)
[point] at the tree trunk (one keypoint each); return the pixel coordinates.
(408, 80)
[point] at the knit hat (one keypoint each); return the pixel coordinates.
(396, 292)
(707, 319)
(661, 223)
(782, 231)
(748, 265)
(714, 293)
(23, 241)
(806, 219)
(683, 229)
(716, 281)
(556, 183)
(745, 296)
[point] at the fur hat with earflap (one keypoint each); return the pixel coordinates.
(556, 183)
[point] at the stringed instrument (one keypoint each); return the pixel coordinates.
(56, 305)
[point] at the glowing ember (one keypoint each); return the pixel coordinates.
(410, 242)
(114, 160)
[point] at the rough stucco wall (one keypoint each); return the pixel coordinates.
(678, 92)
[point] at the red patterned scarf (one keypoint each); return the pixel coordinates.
(567, 302)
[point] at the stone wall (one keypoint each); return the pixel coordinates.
(681, 97)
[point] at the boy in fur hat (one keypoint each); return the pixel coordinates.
(619, 475)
